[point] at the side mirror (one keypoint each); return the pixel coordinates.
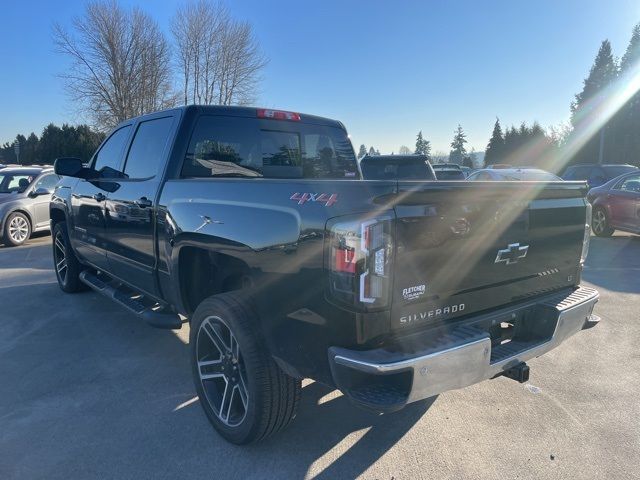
(38, 192)
(68, 166)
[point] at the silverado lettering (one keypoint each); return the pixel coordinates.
(436, 312)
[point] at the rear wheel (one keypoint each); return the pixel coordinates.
(17, 229)
(65, 262)
(243, 392)
(600, 223)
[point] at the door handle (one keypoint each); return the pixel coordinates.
(99, 197)
(143, 202)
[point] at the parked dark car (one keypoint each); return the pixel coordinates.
(616, 205)
(396, 167)
(513, 174)
(595, 174)
(25, 193)
(255, 225)
(448, 171)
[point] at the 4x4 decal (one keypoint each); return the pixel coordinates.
(327, 198)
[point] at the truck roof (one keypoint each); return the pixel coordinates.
(237, 111)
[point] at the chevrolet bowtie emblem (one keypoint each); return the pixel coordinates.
(512, 253)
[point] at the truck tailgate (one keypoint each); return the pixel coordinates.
(467, 247)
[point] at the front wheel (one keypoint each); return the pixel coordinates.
(17, 229)
(65, 262)
(244, 394)
(600, 223)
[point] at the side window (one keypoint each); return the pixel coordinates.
(47, 181)
(597, 177)
(630, 184)
(145, 156)
(111, 152)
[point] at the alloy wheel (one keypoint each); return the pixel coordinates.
(18, 229)
(599, 222)
(222, 371)
(60, 257)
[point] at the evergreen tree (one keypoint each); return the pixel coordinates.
(632, 54)
(423, 147)
(458, 150)
(495, 147)
(594, 91)
(627, 121)
(29, 150)
(363, 151)
(372, 151)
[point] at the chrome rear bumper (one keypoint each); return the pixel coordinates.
(386, 380)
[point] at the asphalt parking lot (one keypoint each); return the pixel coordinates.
(88, 391)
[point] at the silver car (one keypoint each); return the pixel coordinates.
(25, 193)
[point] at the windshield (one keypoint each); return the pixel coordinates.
(613, 172)
(10, 183)
(450, 175)
(389, 169)
(528, 176)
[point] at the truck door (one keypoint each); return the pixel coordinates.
(130, 222)
(88, 202)
(624, 200)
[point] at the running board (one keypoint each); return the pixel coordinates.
(149, 310)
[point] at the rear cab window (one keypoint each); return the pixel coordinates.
(250, 147)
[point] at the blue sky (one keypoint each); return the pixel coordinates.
(386, 69)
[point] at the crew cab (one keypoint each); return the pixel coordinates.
(255, 228)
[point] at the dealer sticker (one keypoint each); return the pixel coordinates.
(411, 293)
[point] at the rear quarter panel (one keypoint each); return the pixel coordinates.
(278, 232)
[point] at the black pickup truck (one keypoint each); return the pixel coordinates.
(255, 227)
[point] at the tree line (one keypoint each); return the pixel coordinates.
(458, 153)
(604, 125)
(79, 141)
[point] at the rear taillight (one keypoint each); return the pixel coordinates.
(587, 235)
(278, 114)
(360, 262)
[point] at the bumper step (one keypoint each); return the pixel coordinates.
(149, 310)
(419, 367)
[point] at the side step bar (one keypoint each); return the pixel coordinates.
(150, 311)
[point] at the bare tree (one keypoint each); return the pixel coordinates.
(120, 63)
(404, 150)
(219, 57)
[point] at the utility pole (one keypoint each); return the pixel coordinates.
(601, 152)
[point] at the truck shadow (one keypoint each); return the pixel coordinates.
(326, 424)
(82, 369)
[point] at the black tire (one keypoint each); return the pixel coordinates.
(600, 223)
(271, 395)
(17, 229)
(67, 273)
